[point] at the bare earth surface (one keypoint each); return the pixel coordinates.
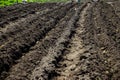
(60, 41)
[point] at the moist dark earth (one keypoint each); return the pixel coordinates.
(60, 41)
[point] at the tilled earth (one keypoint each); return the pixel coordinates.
(60, 41)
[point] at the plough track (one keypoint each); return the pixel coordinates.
(44, 44)
(73, 42)
(68, 67)
(10, 30)
(44, 71)
(23, 11)
(19, 45)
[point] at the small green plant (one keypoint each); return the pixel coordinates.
(10, 2)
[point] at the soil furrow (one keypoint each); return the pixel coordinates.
(43, 72)
(31, 9)
(28, 9)
(112, 23)
(97, 61)
(26, 25)
(21, 44)
(34, 56)
(68, 68)
(105, 41)
(13, 29)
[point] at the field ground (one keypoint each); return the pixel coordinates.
(60, 41)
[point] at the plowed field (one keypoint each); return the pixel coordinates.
(60, 41)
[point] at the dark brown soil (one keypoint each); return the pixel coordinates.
(60, 41)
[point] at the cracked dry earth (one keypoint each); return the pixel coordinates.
(60, 41)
